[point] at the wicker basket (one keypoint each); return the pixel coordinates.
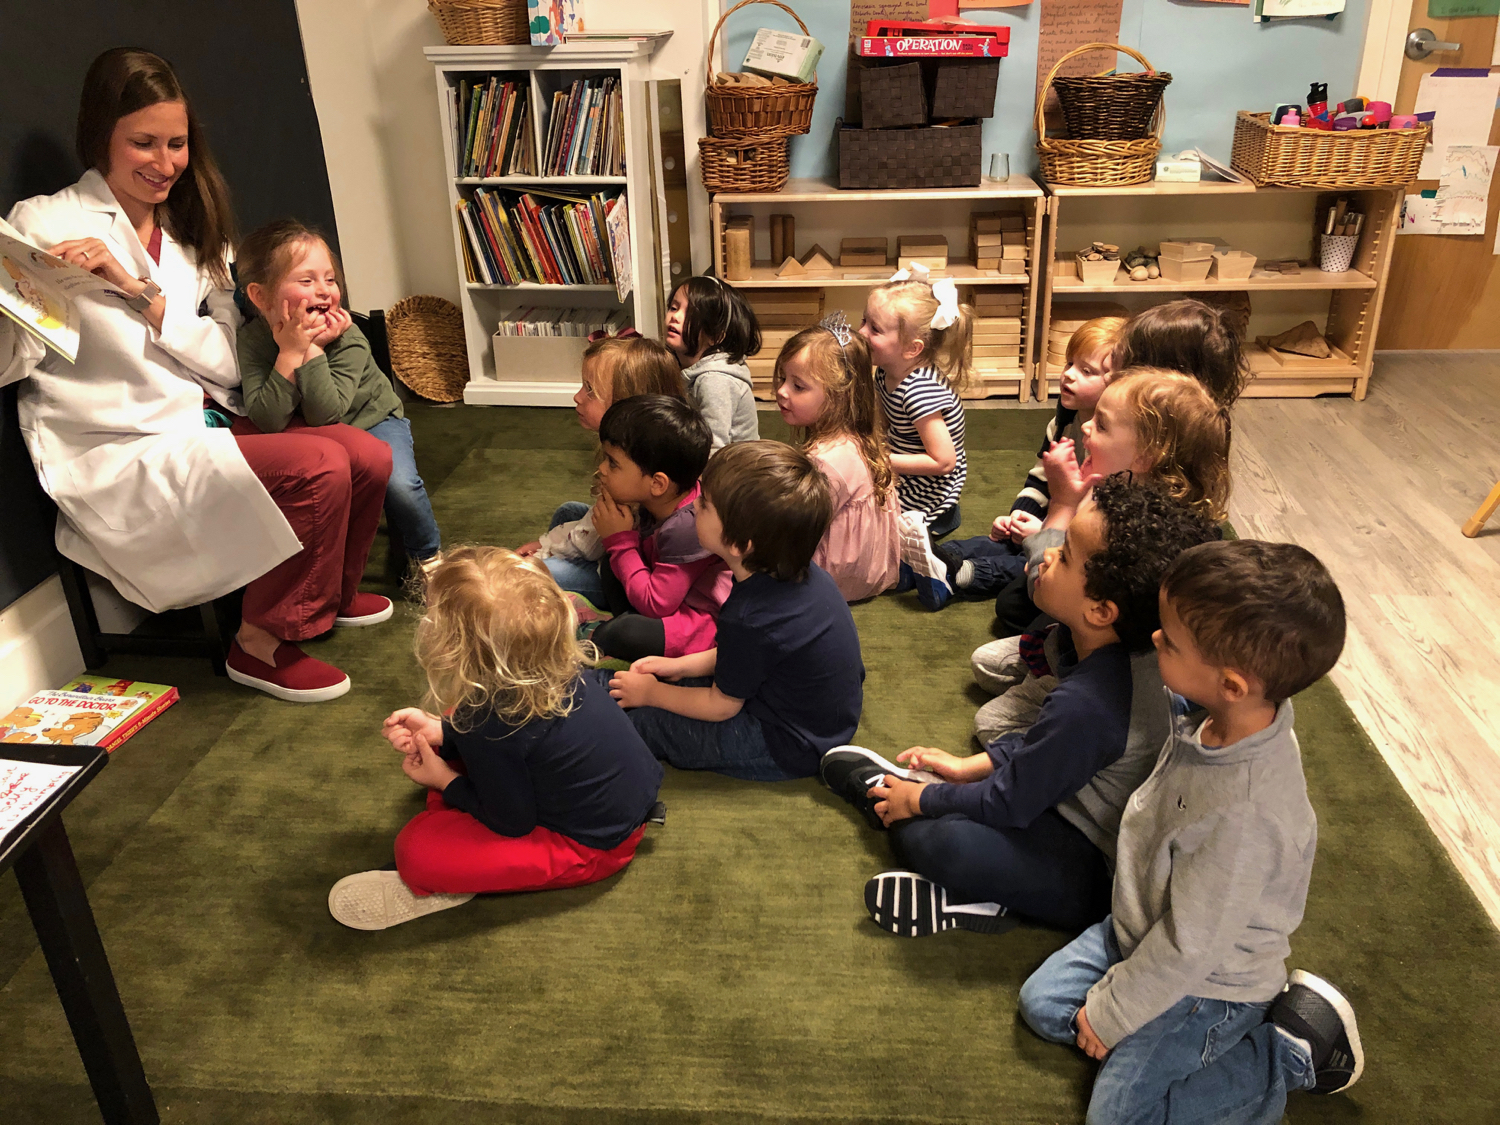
(1111, 107)
(1111, 163)
(740, 111)
(468, 23)
(964, 87)
(754, 163)
(909, 158)
(892, 96)
(428, 352)
(1290, 156)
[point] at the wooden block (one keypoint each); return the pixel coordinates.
(786, 308)
(996, 239)
(985, 223)
(1013, 222)
(1069, 316)
(1014, 252)
(930, 250)
(778, 239)
(739, 242)
(791, 268)
(1012, 265)
(985, 322)
(991, 350)
(1013, 237)
(996, 338)
(816, 260)
(986, 263)
(864, 251)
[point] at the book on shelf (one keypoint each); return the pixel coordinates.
(87, 711)
(546, 238)
(538, 321)
(586, 130)
(492, 133)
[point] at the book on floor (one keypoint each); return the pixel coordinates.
(87, 711)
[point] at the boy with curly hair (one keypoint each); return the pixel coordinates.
(1028, 827)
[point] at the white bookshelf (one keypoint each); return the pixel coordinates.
(548, 69)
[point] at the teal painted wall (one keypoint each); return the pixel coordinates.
(1220, 62)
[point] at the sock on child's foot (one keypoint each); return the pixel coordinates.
(963, 578)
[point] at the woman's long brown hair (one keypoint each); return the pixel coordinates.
(197, 212)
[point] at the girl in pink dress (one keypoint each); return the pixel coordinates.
(825, 387)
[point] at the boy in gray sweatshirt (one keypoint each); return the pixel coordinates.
(1182, 993)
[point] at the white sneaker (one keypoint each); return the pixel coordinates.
(377, 900)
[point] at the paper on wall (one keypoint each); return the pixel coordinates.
(1463, 195)
(1463, 107)
(1067, 24)
(1297, 9)
(1419, 214)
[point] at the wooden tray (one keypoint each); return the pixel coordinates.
(1291, 361)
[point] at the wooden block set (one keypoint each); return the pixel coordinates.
(1000, 240)
(999, 329)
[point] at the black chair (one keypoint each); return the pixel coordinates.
(217, 618)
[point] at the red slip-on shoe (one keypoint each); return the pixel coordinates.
(295, 677)
(365, 609)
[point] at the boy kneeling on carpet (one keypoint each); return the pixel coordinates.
(786, 682)
(1183, 992)
(535, 780)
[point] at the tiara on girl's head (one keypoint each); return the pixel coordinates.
(837, 323)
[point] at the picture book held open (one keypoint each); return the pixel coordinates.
(37, 291)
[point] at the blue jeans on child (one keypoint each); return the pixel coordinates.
(577, 575)
(1207, 1061)
(407, 508)
(995, 564)
(736, 747)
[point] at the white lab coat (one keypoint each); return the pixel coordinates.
(148, 495)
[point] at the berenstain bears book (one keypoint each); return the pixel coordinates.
(88, 711)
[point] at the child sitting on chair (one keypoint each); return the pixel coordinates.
(785, 683)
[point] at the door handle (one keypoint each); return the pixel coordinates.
(1422, 42)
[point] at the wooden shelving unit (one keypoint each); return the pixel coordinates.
(547, 69)
(825, 215)
(1274, 224)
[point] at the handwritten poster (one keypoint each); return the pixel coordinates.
(1067, 24)
(24, 786)
(861, 12)
(1463, 195)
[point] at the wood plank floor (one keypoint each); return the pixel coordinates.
(1378, 490)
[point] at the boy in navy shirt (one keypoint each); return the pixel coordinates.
(786, 682)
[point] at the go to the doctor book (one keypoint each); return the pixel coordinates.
(37, 291)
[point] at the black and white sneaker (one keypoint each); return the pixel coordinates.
(1312, 1010)
(850, 771)
(906, 904)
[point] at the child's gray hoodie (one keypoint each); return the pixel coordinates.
(1215, 853)
(720, 389)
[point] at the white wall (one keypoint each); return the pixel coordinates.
(377, 110)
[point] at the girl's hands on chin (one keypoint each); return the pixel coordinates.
(91, 254)
(296, 329)
(335, 322)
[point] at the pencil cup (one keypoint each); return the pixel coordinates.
(1336, 252)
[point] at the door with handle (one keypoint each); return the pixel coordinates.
(1444, 290)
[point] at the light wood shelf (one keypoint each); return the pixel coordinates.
(1308, 278)
(763, 276)
(828, 191)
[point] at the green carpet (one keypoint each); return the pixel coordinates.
(730, 974)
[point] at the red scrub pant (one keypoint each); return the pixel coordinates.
(446, 851)
(329, 482)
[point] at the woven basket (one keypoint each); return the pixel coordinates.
(892, 96)
(740, 111)
(428, 352)
(1290, 156)
(1111, 107)
(1111, 163)
(754, 163)
(909, 158)
(468, 23)
(964, 87)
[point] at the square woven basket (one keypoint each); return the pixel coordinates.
(892, 96)
(909, 158)
(1290, 156)
(964, 87)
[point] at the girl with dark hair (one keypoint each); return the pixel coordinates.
(711, 328)
(174, 510)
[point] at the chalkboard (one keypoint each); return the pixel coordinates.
(243, 68)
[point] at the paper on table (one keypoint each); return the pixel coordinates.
(1463, 196)
(1464, 107)
(1066, 24)
(24, 786)
(1419, 215)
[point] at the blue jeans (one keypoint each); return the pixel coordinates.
(578, 575)
(1206, 1061)
(407, 508)
(736, 747)
(1047, 872)
(995, 564)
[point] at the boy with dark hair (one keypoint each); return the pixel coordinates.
(786, 681)
(663, 586)
(1182, 992)
(1028, 827)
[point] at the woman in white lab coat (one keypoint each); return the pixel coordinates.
(168, 508)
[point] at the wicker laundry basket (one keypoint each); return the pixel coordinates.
(428, 352)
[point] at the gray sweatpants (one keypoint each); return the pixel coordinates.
(998, 667)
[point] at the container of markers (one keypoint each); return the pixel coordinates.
(1336, 252)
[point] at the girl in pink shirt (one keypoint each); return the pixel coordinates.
(825, 387)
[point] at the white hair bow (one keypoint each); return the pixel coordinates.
(943, 289)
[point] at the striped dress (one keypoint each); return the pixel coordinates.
(921, 393)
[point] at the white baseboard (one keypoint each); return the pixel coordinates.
(38, 648)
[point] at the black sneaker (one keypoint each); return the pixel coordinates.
(850, 771)
(911, 906)
(1312, 1010)
(952, 559)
